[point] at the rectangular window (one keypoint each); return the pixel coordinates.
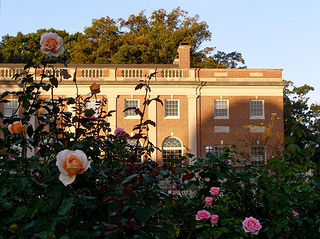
(218, 149)
(10, 107)
(221, 109)
(129, 104)
(93, 104)
(257, 155)
(256, 109)
(172, 109)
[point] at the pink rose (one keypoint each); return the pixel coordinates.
(17, 128)
(51, 44)
(70, 163)
(215, 191)
(121, 133)
(208, 201)
(93, 118)
(295, 214)
(203, 215)
(214, 219)
(251, 225)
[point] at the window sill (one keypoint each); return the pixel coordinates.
(131, 117)
(172, 117)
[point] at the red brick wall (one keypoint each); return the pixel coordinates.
(179, 127)
(239, 116)
(126, 123)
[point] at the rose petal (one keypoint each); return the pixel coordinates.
(67, 179)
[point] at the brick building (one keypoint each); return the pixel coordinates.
(204, 109)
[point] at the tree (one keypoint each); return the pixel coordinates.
(98, 43)
(25, 48)
(143, 40)
(301, 120)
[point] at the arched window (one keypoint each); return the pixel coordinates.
(172, 148)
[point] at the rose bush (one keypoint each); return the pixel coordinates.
(101, 172)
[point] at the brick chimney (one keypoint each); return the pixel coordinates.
(184, 55)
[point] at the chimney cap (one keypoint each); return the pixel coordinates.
(184, 43)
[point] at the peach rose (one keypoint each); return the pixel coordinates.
(71, 163)
(203, 215)
(215, 191)
(208, 201)
(251, 225)
(51, 44)
(95, 88)
(17, 128)
(214, 219)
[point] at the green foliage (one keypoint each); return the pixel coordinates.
(120, 197)
(25, 48)
(136, 40)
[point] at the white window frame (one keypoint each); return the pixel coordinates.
(218, 149)
(256, 116)
(171, 149)
(256, 158)
(127, 111)
(216, 108)
(93, 104)
(7, 107)
(172, 116)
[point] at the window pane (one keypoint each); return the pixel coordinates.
(10, 107)
(256, 108)
(92, 104)
(220, 108)
(257, 155)
(131, 103)
(172, 108)
(218, 149)
(172, 148)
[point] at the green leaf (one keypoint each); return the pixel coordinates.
(224, 222)
(144, 213)
(150, 122)
(20, 212)
(171, 230)
(65, 207)
(148, 177)
(31, 212)
(89, 112)
(26, 104)
(21, 182)
(128, 179)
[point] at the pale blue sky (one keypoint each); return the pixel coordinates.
(270, 34)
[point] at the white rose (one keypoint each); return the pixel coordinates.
(51, 44)
(71, 163)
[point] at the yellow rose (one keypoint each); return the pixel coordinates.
(51, 44)
(17, 128)
(95, 88)
(70, 163)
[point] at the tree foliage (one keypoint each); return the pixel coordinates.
(25, 48)
(136, 40)
(301, 118)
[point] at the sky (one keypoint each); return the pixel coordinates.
(270, 34)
